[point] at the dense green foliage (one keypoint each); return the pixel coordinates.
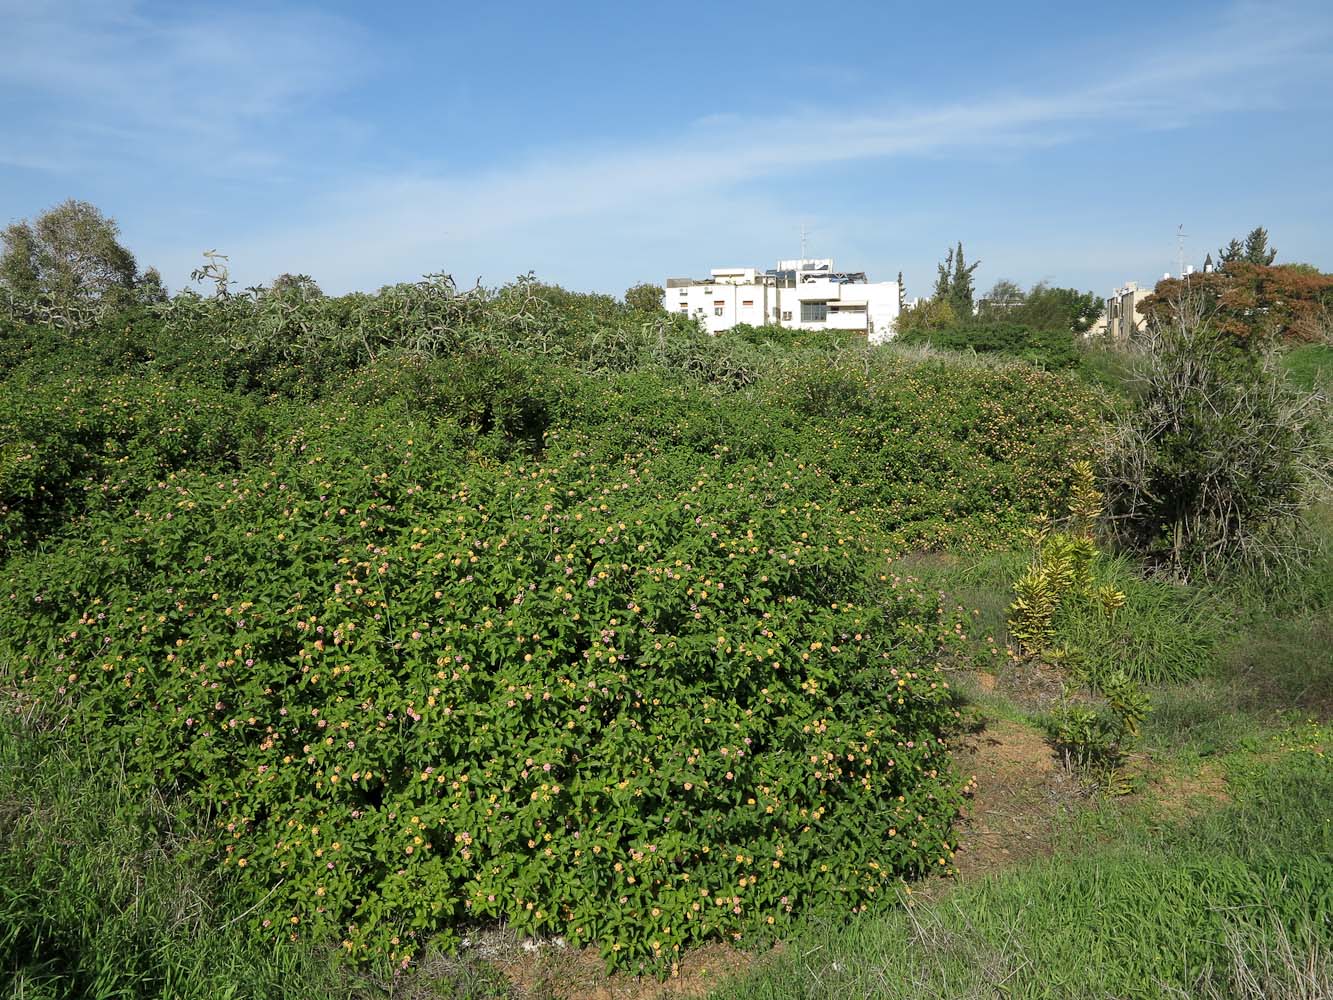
(1048, 348)
(645, 297)
(772, 335)
(932, 452)
(422, 611)
(1039, 325)
(445, 607)
(443, 693)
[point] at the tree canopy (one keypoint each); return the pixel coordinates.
(953, 282)
(71, 252)
(645, 297)
(301, 285)
(925, 316)
(1068, 309)
(1252, 301)
(1038, 324)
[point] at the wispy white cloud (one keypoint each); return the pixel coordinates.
(400, 221)
(115, 83)
(226, 93)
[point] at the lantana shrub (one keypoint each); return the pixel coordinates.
(636, 704)
(447, 608)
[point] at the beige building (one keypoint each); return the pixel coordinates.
(1121, 318)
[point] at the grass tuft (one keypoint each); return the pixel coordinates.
(99, 897)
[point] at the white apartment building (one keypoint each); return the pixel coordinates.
(802, 294)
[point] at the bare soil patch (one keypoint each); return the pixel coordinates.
(1020, 790)
(1179, 796)
(580, 975)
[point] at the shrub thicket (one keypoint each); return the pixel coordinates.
(634, 706)
(449, 607)
(1050, 348)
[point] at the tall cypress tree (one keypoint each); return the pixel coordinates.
(960, 291)
(944, 278)
(1257, 250)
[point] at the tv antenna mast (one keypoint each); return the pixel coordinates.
(1180, 250)
(802, 244)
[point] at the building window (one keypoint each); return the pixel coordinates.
(717, 310)
(786, 315)
(747, 302)
(684, 307)
(814, 312)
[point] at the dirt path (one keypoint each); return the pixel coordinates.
(1020, 790)
(580, 975)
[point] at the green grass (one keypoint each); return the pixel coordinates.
(1108, 367)
(1237, 903)
(1274, 663)
(1311, 366)
(99, 897)
(1166, 632)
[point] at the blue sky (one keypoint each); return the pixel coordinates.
(600, 144)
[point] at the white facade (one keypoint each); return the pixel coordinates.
(801, 294)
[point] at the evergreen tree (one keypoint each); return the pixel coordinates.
(1254, 250)
(1230, 253)
(960, 289)
(1257, 250)
(944, 278)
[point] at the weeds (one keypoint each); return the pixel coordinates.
(100, 896)
(1235, 903)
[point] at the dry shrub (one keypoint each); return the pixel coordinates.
(1222, 454)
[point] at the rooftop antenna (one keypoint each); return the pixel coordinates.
(802, 264)
(1180, 250)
